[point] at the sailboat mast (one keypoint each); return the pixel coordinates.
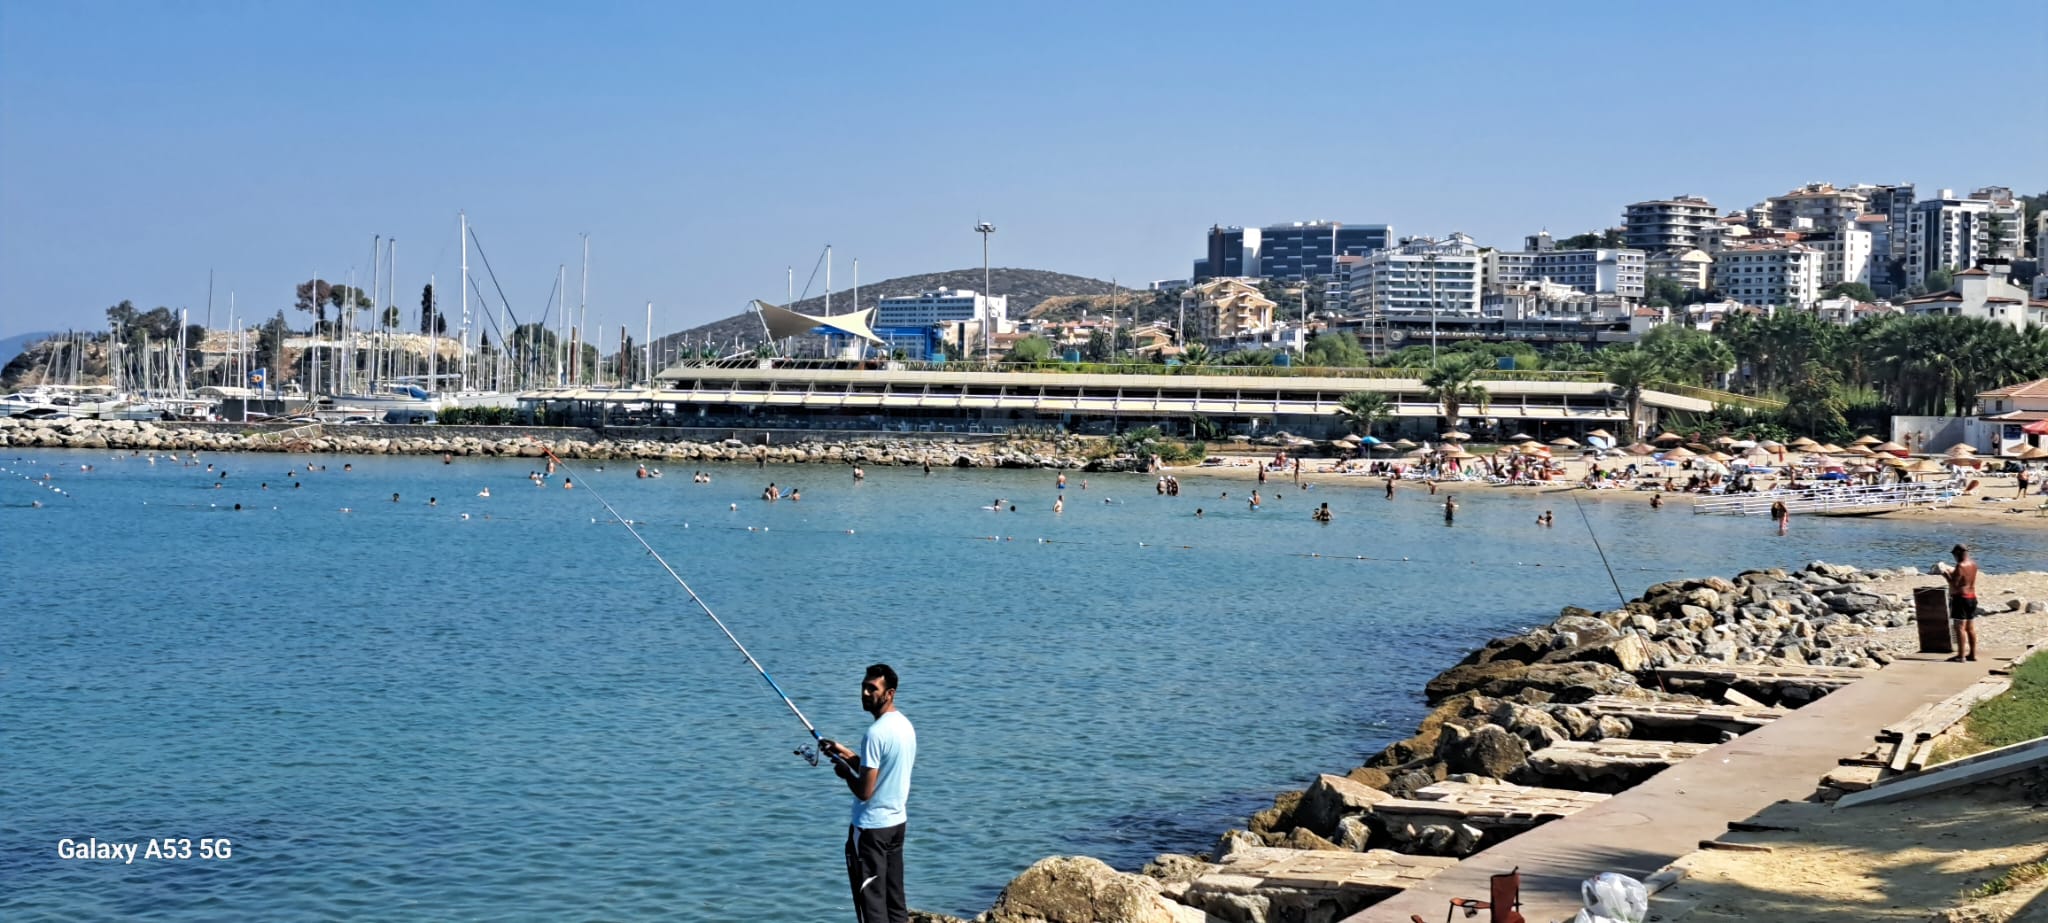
(583, 308)
(647, 349)
(462, 234)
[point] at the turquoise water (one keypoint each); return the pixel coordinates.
(396, 713)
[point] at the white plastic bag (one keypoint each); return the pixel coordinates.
(1613, 898)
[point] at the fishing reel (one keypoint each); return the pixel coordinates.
(809, 753)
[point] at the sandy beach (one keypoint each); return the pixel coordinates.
(1992, 501)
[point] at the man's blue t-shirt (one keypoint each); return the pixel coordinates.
(890, 748)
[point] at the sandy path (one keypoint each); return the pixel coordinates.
(1901, 861)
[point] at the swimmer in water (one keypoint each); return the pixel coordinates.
(570, 483)
(1059, 504)
(484, 492)
(394, 498)
(433, 501)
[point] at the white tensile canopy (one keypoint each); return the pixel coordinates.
(783, 322)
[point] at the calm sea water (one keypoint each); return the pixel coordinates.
(399, 713)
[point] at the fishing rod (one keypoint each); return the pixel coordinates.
(1596, 547)
(810, 752)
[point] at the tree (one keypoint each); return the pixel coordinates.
(1197, 354)
(432, 321)
(1335, 350)
(313, 297)
(1661, 292)
(1031, 349)
(1813, 402)
(1940, 280)
(1567, 357)
(122, 315)
(1364, 410)
(1855, 290)
(1630, 371)
(1454, 382)
(391, 317)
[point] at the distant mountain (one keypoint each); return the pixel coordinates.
(1026, 289)
(13, 346)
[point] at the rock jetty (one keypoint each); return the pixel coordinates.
(1527, 728)
(1063, 452)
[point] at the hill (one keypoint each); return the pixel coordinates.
(13, 346)
(1026, 289)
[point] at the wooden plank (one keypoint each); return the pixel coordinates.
(1739, 700)
(1654, 713)
(1901, 755)
(1983, 766)
(1739, 848)
(1921, 755)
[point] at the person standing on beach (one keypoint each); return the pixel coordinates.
(1962, 602)
(1781, 515)
(879, 777)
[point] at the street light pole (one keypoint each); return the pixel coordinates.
(987, 307)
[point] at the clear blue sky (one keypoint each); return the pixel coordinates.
(706, 147)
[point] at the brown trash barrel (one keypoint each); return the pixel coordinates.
(1930, 612)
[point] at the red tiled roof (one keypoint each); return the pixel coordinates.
(2036, 388)
(1970, 272)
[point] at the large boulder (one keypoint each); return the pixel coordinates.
(1488, 750)
(1574, 630)
(1566, 682)
(1627, 653)
(1331, 799)
(1078, 889)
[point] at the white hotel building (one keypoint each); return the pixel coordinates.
(1421, 276)
(1845, 256)
(1769, 274)
(941, 306)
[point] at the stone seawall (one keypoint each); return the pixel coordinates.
(1526, 729)
(1064, 452)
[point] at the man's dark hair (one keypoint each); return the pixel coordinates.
(1960, 551)
(882, 670)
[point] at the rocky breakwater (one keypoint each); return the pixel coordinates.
(1067, 452)
(1526, 729)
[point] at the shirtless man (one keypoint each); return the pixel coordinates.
(1962, 602)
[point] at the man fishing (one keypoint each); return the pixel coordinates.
(879, 777)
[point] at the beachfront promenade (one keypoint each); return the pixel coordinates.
(1647, 827)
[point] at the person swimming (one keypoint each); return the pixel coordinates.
(484, 492)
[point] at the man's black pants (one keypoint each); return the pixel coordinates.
(874, 867)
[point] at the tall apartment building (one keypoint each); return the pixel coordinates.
(1947, 232)
(1592, 272)
(2041, 255)
(1820, 204)
(1895, 203)
(1769, 274)
(1845, 255)
(1419, 277)
(1290, 252)
(1681, 223)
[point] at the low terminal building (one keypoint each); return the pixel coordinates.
(917, 397)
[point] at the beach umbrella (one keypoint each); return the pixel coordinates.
(1642, 448)
(1742, 444)
(1369, 440)
(1960, 448)
(1602, 434)
(1565, 442)
(1724, 440)
(1419, 453)
(1458, 451)
(1681, 452)
(1458, 436)
(1831, 449)
(1866, 440)
(1888, 447)
(1866, 469)
(1342, 445)
(2032, 453)
(1759, 458)
(1700, 447)
(1926, 466)
(1520, 437)
(1858, 451)
(1802, 443)
(1353, 439)
(1722, 457)
(1668, 436)
(1404, 444)
(1770, 444)
(1892, 461)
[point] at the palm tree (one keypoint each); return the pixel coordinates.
(1365, 409)
(1630, 371)
(1566, 357)
(1454, 382)
(1197, 354)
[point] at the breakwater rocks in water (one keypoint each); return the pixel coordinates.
(1526, 729)
(1065, 452)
